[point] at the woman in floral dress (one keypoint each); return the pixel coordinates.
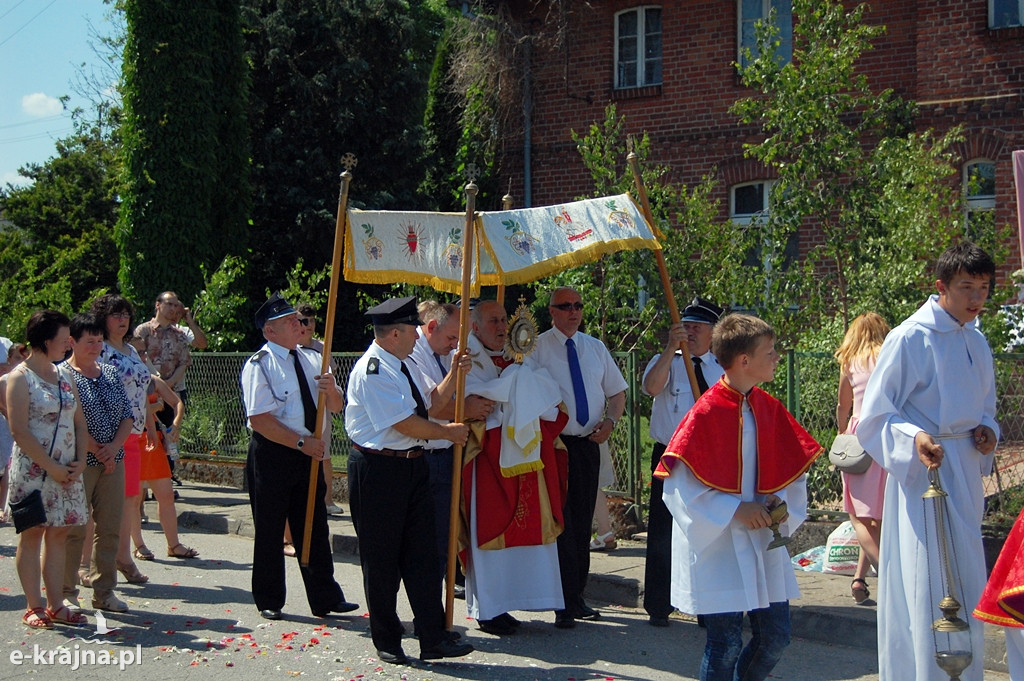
(114, 314)
(50, 439)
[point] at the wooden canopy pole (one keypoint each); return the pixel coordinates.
(460, 396)
(349, 161)
(506, 204)
(666, 282)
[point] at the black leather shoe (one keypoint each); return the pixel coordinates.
(460, 592)
(270, 614)
(394, 656)
(342, 607)
(564, 620)
(496, 626)
(446, 648)
(509, 620)
(657, 621)
(585, 612)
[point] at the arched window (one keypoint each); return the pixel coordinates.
(979, 183)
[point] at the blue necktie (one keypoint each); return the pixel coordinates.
(437, 358)
(578, 390)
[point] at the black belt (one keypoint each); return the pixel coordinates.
(411, 453)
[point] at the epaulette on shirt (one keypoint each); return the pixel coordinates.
(373, 367)
(255, 359)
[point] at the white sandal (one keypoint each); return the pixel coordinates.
(604, 542)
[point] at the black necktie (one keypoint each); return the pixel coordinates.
(308, 403)
(421, 409)
(702, 383)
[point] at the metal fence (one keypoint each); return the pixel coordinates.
(215, 428)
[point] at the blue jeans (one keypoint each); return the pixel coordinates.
(725, 658)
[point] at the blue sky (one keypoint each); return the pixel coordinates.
(43, 44)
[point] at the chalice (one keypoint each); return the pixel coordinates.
(777, 512)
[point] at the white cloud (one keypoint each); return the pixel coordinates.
(14, 178)
(39, 104)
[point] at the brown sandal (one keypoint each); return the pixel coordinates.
(181, 551)
(860, 593)
(131, 573)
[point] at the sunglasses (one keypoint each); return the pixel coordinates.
(303, 321)
(119, 315)
(565, 307)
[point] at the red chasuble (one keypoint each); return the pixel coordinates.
(709, 441)
(523, 510)
(1002, 602)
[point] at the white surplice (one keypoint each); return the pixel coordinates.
(718, 564)
(517, 577)
(934, 375)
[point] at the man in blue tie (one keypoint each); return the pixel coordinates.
(594, 391)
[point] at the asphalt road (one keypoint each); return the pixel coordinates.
(195, 619)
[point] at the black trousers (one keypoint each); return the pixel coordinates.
(580, 498)
(393, 513)
(278, 480)
(439, 465)
(658, 566)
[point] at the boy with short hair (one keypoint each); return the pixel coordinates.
(742, 454)
(930, 404)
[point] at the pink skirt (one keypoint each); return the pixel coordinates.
(132, 466)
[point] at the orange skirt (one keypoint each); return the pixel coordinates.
(154, 460)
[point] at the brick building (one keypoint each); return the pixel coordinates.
(962, 61)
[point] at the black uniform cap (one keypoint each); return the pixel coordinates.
(395, 311)
(275, 308)
(703, 311)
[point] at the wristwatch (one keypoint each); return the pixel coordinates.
(614, 422)
(298, 445)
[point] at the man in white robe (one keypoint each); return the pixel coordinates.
(519, 577)
(930, 403)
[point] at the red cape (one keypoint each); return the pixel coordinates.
(1002, 602)
(508, 509)
(709, 441)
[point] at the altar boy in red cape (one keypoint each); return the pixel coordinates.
(1002, 602)
(736, 455)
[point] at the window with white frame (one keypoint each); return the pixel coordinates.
(979, 192)
(749, 12)
(638, 47)
(749, 204)
(1005, 13)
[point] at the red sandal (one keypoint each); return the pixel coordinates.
(36, 618)
(64, 615)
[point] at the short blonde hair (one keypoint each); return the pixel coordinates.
(738, 334)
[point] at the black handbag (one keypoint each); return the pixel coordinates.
(848, 456)
(29, 512)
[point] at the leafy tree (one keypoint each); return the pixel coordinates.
(58, 251)
(186, 198)
(851, 164)
(331, 77)
(703, 254)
